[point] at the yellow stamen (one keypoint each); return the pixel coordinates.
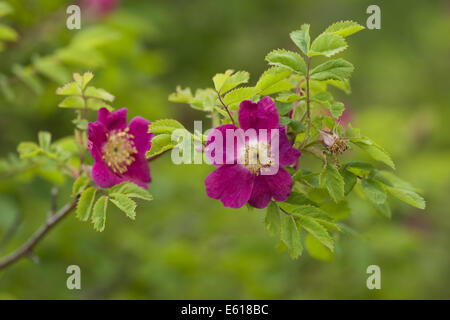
(255, 157)
(118, 150)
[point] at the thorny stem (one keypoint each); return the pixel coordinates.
(226, 108)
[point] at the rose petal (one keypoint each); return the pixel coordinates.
(139, 171)
(103, 176)
(232, 184)
(287, 154)
(219, 152)
(96, 138)
(261, 194)
(261, 115)
(139, 129)
(116, 120)
(265, 187)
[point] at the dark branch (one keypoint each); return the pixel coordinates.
(28, 246)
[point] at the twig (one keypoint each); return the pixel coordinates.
(28, 246)
(226, 108)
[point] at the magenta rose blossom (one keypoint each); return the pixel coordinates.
(119, 149)
(240, 182)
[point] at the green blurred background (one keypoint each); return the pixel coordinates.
(183, 244)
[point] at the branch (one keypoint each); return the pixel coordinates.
(27, 248)
(226, 108)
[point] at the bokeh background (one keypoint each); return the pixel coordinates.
(183, 244)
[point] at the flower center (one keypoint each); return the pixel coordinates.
(118, 150)
(256, 156)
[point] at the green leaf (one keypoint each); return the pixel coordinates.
(69, 89)
(72, 102)
(5, 8)
(164, 126)
(408, 196)
(301, 38)
(80, 185)
(220, 78)
(83, 80)
(290, 235)
(81, 56)
(99, 213)
(327, 44)
(51, 68)
(296, 126)
(317, 250)
(45, 139)
(132, 190)
(205, 99)
(125, 204)
(343, 85)
(335, 69)
(373, 191)
(283, 108)
(234, 80)
(344, 28)
(297, 198)
(359, 168)
(273, 219)
(374, 150)
(317, 214)
(333, 181)
(289, 97)
(337, 211)
(80, 123)
(160, 143)
(7, 33)
(28, 150)
(316, 230)
(6, 88)
(336, 109)
(239, 95)
(84, 205)
(391, 180)
(96, 104)
(349, 180)
(98, 93)
(287, 59)
(27, 76)
(383, 208)
(270, 80)
(181, 95)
